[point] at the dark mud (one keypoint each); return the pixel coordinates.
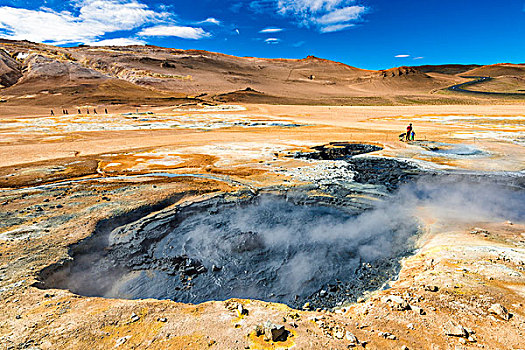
(268, 247)
(390, 173)
(337, 151)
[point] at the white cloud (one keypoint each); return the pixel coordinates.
(272, 41)
(326, 15)
(178, 31)
(117, 14)
(312, 6)
(345, 14)
(335, 27)
(94, 19)
(118, 42)
(271, 30)
(401, 56)
(211, 20)
(418, 58)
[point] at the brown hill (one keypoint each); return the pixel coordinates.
(498, 70)
(43, 75)
(450, 69)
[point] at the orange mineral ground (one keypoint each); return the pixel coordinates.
(158, 150)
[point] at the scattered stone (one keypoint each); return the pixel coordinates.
(294, 316)
(351, 338)
(431, 288)
(396, 302)
(241, 310)
(499, 310)
(404, 347)
(480, 231)
(387, 335)
(339, 333)
(306, 306)
(417, 310)
(275, 333)
(162, 319)
(323, 293)
(455, 330)
(259, 330)
(134, 317)
(121, 341)
(216, 268)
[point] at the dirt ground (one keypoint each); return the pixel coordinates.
(59, 176)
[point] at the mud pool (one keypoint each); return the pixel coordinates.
(325, 244)
(267, 247)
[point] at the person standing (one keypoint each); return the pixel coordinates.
(409, 132)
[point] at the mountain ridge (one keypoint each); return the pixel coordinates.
(46, 75)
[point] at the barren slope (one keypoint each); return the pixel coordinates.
(498, 70)
(37, 77)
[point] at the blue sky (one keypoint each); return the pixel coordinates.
(372, 34)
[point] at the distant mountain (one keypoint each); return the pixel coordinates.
(498, 70)
(44, 75)
(451, 69)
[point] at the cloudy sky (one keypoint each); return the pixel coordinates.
(370, 34)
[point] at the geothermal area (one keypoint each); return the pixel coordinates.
(190, 200)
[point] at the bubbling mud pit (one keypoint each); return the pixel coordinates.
(284, 245)
(268, 247)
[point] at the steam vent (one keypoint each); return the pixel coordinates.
(160, 198)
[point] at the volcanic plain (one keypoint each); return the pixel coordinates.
(192, 200)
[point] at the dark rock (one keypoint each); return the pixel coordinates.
(431, 288)
(275, 333)
(259, 330)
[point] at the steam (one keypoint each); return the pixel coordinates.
(456, 199)
(273, 249)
